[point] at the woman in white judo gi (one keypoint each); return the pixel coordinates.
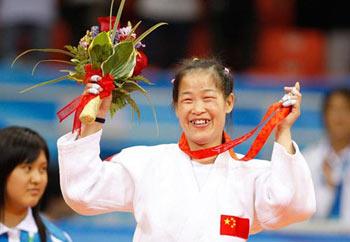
(23, 179)
(177, 198)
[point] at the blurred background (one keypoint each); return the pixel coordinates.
(267, 44)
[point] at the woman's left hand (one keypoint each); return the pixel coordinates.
(283, 130)
(292, 98)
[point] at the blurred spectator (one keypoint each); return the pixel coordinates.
(329, 159)
(25, 24)
(169, 44)
(234, 31)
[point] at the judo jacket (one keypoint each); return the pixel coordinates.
(157, 184)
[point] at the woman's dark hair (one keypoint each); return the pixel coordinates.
(20, 145)
(343, 91)
(220, 73)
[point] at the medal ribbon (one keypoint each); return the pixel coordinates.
(276, 112)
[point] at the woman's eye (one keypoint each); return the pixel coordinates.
(209, 98)
(187, 100)
(43, 169)
(26, 168)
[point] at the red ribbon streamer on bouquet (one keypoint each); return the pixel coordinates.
(277, 113)
(78, 104)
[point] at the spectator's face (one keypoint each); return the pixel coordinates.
(201, 109)
(26, 184)
(337, 117)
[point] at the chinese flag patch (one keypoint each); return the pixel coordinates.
(234, 226)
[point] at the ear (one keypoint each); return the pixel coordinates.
(230, 103)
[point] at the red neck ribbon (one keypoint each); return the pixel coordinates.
(275, 113)
(78, 104)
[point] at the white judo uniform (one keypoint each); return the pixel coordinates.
(157, 184)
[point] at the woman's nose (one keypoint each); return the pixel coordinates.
(36, 176)
(198, 107)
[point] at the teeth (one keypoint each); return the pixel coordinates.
(199, 121)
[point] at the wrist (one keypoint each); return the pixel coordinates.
(102, 113)
(89, 129)
(283, 136)
(100, 120)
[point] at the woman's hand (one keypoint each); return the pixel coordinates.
(292, 98)
(94, 88)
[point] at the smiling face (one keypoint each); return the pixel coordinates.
(26, 184)
(201, 108)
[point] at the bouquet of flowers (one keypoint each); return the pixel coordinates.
(108, 54)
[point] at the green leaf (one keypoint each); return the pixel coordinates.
(134, 28)
(98, 54)
(147, 32)
(71, 49)
(100, 49)
(67, 77)
(117, 19)
(57, 61)
(110, 14)
(73, 75)
(126, 69)
(81, 55)
(133, 105)
(141, 79)
(101, 39)
(41, 50)
(118, 102)
(131, 86)
(121, 64)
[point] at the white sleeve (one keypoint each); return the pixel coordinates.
(285, 193)
(89, 185)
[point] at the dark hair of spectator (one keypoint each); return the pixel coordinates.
(343, 91)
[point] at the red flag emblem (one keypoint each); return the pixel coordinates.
(234, 226)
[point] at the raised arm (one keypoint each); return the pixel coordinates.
(285, 193)
(90, 185)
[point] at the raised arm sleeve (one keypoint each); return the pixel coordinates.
(285, 192)
(89, 185)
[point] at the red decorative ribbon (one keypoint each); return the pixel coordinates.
(78, 104)
(277, 113)
(89, 72)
